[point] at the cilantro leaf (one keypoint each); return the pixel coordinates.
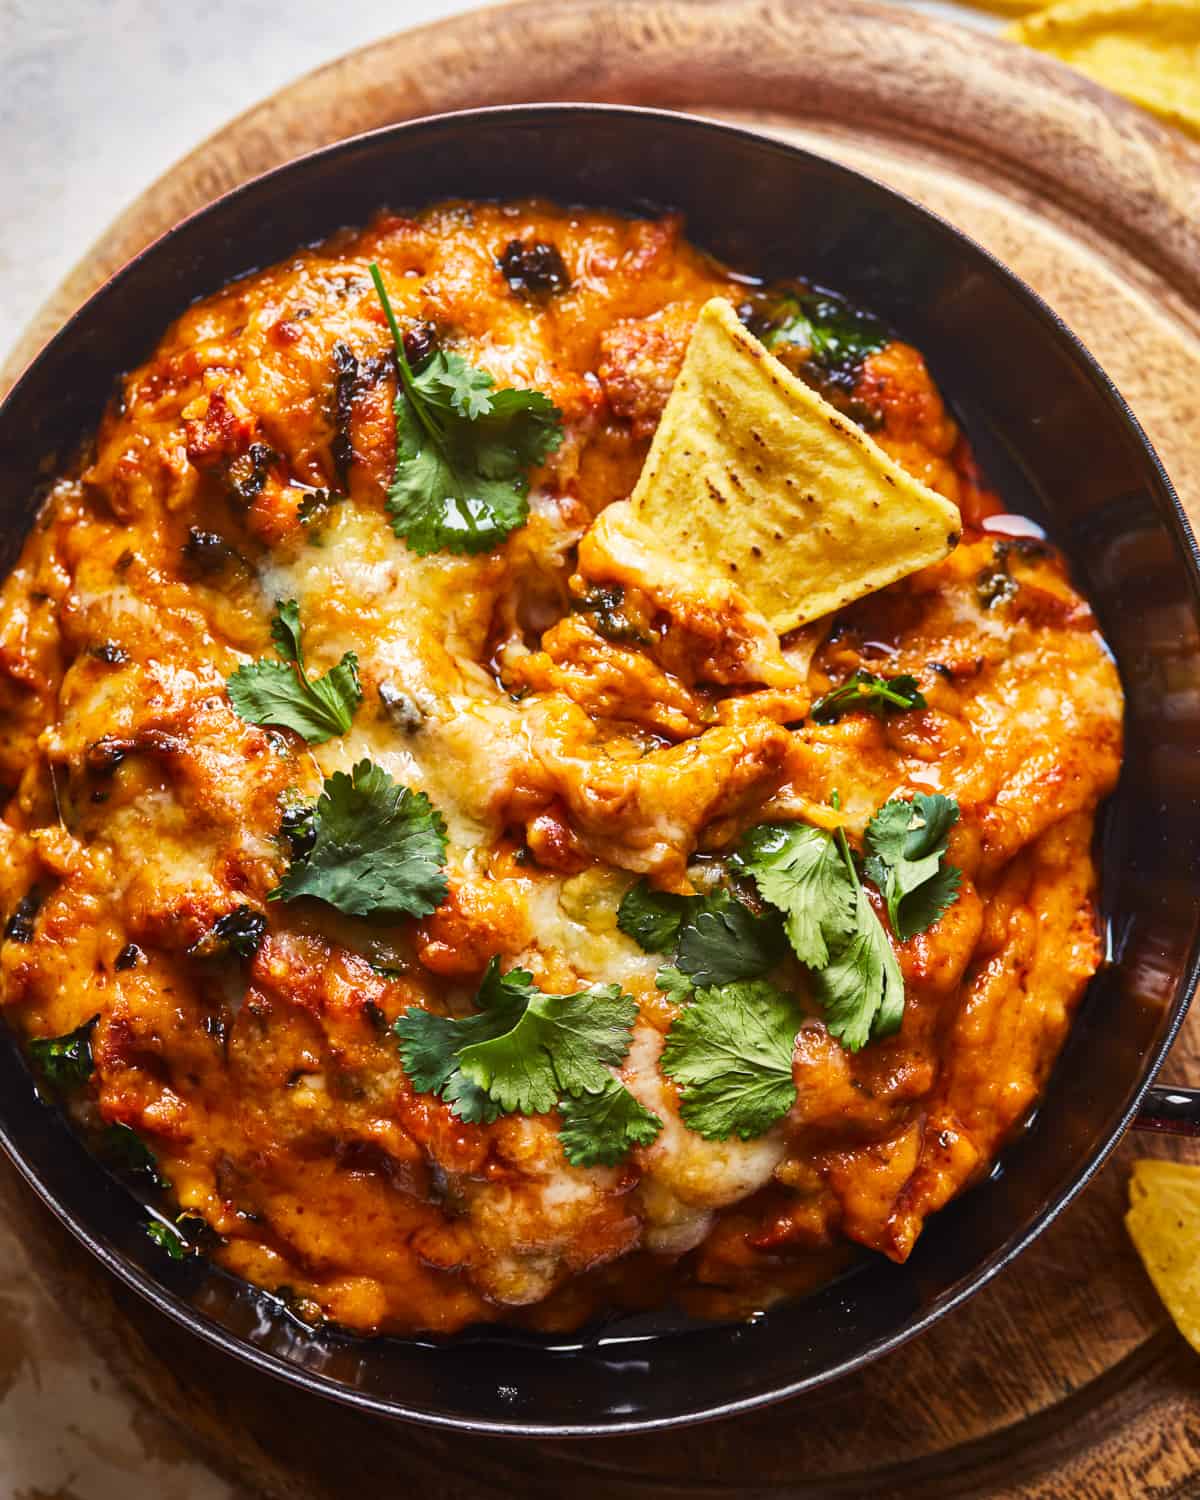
(430, 1044)
(674, 983)
(907, 843)
(653, 918)
(730, 1053)
(725, 942)
(811, 876)
(924, 904)
(888, 830)
(871, 694)
(798, 869)
(599, 1129)
(561, 1042)
(463, 451)
(282, 693)
(167, 1238)
(379, 849)
(837, 335)
(715, 937)
(861, 989)
(531, 1052)
(65, 1062)
(285, 630)
(125, 1151)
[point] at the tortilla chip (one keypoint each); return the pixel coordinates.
(1148, 50)
(1007, 7)
(1164, 1224)
(754, 475)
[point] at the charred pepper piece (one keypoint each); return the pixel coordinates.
(533, 269)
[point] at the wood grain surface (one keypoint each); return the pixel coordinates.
(1063, 1378)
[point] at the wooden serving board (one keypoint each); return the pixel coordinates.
(1063, 1378)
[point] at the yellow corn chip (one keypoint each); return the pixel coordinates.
(1007, 7)
(1148, 50)
(754, 475)
(1164, 1224)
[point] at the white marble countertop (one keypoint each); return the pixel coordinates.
(100, 97)
(97, 99)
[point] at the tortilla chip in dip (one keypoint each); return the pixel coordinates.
(752, 473)
(1148, 50)
(1164, 1223)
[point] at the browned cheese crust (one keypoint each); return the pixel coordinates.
(142, 808)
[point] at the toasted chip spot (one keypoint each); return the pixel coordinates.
(751, 471)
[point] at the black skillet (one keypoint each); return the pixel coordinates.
(1054, 436)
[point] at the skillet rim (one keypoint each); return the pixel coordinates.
(1185, 546)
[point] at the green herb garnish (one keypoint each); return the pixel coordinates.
(463, 450)
(600, 1129)
(861, 989)
(527, 1051)
(906, 844)
(715, 938)
(799, 870)
(605, 607)
(730, 1052)
(871, 694)
(65, 1062)
(724, 941)
(379, 849)
(675, 982)
(653, 918)
(837, 336)
(811, 877)
(168, 1239)
(124, 1150)
(282, 693)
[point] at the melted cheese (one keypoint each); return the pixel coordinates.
(572, 741)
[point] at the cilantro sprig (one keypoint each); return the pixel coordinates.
(527, 1051)
(811, 877)
(730, 1053)
(871, 694)
(799, 870)
(809, 874)
(861, 988)
(378, 848)
(906, 843)
(714, 938)
(282, 693)
(463, 450)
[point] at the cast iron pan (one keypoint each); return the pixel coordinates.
(1054, 436)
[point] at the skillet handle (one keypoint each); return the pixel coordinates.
(1170, 1111)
